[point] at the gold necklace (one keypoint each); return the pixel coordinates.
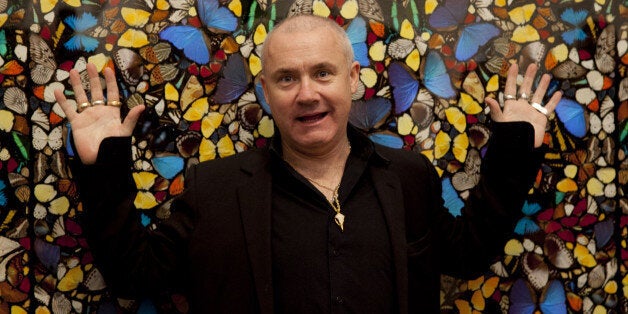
(334, 203)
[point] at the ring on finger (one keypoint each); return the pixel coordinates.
(509, 97)
(98, 103)
(539, 108)
(84, 106)
(524, 96)
(114, 103)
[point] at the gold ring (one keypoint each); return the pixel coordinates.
(98, 103)
(539, 108)
(509, 97)
(114, 103)
(84, 106)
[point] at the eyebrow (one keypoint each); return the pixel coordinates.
(318, 66)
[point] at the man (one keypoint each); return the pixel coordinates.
(322, 220)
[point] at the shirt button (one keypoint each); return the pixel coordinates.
(335, 252)
(340, 300)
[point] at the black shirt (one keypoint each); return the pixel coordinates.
(317, 268)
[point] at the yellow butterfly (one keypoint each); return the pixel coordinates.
(524, 32)
(134, 37)
(71, 280)
(584, 256)
(197, 110)
(49, 5)
(144, 180)
(209, 151)
(482, 289)
(456, 118)
(210, 123)
(468, 104)
(442, 144)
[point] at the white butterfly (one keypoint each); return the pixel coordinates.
(41, 139)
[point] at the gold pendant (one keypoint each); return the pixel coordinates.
(340, 220)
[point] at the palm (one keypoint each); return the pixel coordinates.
(95, 123)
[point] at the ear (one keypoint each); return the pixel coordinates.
(262, 80)
(354, 75)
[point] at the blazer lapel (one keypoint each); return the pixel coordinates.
(255, 207)
(390, 195)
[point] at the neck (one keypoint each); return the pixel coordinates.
(323, 170)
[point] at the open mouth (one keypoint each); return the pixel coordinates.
(312, 118)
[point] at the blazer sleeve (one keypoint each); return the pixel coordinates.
(470, 242)
(134, 260)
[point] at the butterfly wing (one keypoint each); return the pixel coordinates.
(525, 226)
(168, 166)
(45, 64)
(235, 80)
(472, 38)
(452, 200)
(369, 114)
(553, 299)
(449, 14)
(575, 18)
(436, 78)
(191, 40)
(571, 114)
(130, 64)
(522, 298)
(3, 197)
(386, 138)
(357, 35)
(405, 86)
(216, 17)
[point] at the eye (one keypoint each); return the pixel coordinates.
(286, 79)
(323, 74)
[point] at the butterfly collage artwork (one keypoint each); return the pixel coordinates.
(426, 67)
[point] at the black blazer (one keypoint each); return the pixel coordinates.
(217, 242)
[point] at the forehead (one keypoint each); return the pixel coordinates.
(315, 45)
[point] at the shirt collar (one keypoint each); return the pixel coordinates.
(361, 146)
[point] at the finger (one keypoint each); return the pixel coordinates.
(539, 93)
(77, 87)
(511, 81)
(131, 119)
(553, 102)
(528, 79)
(94, 82)
(69, 111)
(112, 85)
(496, 110)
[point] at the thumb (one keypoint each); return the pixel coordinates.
(131, 118)
(496, 110)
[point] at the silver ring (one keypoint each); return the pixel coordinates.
(539, 108)
(509, 97)
(524, 96)
(98, 103)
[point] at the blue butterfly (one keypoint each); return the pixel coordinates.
(523, 299)
(168, 166)
(453, 202)
(79, 40)
(144, 219)
(357, 35)
(387, 139)
(3, 197)
(576, 18)
(69, 148)
(261, 99)
(571, 114)
(48, 254)
(603, 231)
(193, 41)
(368, 114)
(435, 78)
(404, 86)
(449, 15)
(526, 224)
(235, 81)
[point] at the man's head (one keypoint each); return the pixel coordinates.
(308, 78)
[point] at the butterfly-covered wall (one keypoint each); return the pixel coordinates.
(426, 68)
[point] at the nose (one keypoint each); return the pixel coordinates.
(308, 93)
